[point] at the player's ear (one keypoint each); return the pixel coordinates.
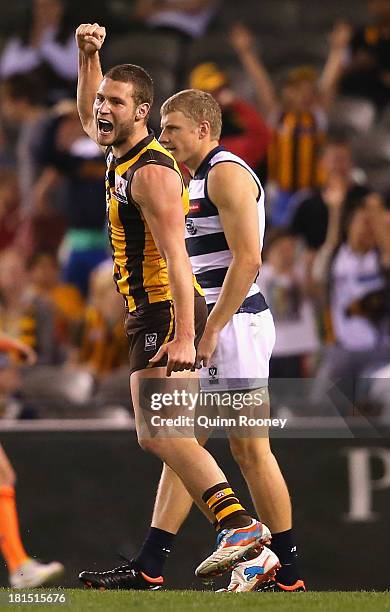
(204, 129)
(142, 111)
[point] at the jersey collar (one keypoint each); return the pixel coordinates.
(136, 149)
(203, 166)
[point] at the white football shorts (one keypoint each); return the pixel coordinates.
(241, 359)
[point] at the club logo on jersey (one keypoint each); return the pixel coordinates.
(190, 227)
(120, 189)
(213, 372)
(150, 342)
(253, 572)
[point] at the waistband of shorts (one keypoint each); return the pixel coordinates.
(252, 304)
(158, 305)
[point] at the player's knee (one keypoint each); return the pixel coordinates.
(151, 445)
(249, 452)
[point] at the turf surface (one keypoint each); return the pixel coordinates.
(180, 601)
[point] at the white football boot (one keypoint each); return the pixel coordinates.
(249, 575)
(32, 573)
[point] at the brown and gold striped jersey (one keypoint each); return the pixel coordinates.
(140, 272)
(294, 150)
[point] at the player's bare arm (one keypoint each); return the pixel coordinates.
(89, 38)
(234, 193)
(163, 212)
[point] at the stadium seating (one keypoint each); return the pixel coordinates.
(144, 48)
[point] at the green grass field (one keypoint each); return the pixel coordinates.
(180, 601)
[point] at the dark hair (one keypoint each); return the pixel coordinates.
(142, 81)
(29, 87)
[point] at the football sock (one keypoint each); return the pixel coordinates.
(228, 511)
(284, 547)
(154, 552)
(10, 543)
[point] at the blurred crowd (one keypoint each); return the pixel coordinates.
(305, 96)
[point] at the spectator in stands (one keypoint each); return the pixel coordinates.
(24, 316)
(46, 43)
(185, 20)
(22, 106)
(190, 18)
(64, 299)
(103, 344)
(354, 275)
(285, 281)
(244, 131)
(71, 160)
(6, 160)
(367, 75)
(310, 217)
(9, 208)
(297, 116)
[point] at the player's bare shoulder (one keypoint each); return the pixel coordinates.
(228, 180)
(155, 182)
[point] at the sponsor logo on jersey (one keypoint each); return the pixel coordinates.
(120, 189)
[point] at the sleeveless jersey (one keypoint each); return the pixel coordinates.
(140, 273)
(205, 239)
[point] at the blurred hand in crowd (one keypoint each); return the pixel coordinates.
(241, 38)
(334, 193)
(341, 35)
(23, 351)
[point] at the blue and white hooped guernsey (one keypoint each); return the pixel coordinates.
(205, 239)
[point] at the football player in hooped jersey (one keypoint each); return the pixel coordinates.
(225, 228)
(146, 207)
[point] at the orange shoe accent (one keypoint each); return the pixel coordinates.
(298, 584)
(158, 580)
(10, 542)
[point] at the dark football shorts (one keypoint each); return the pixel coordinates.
(149, 327)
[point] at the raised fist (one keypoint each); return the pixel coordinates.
(90, 37)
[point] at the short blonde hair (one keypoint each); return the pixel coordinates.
(196, 105)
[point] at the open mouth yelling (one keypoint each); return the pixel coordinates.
(104, 126)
